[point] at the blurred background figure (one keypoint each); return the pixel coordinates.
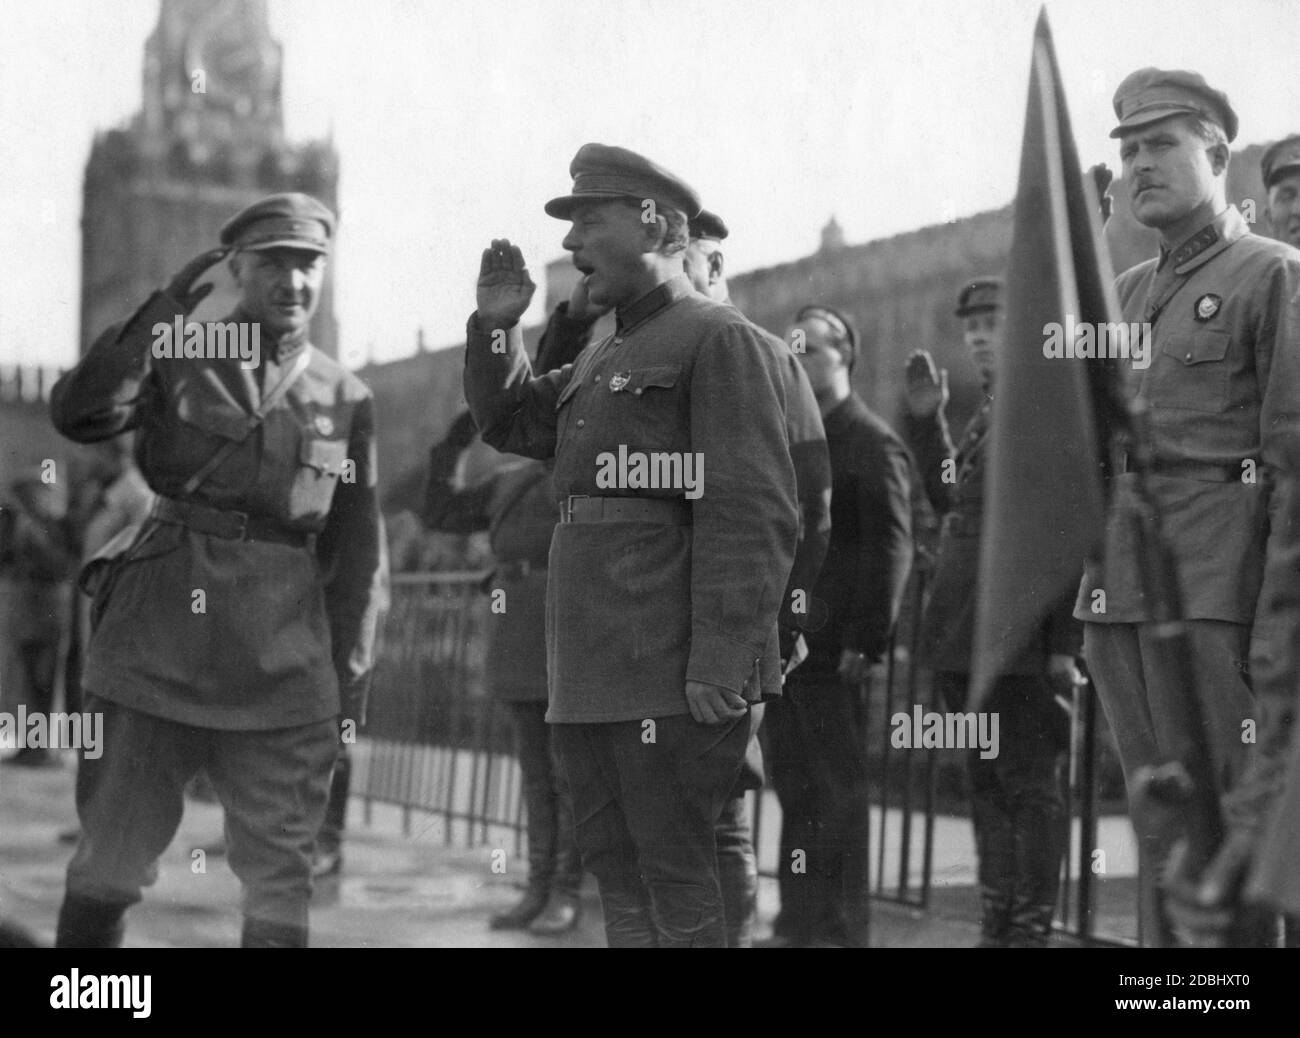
(817, 731)
(37, 559)
(517, 507)
(1018, 799)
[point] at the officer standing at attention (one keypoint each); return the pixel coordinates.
(1222, 390)
(1280, 167)
(661, 608)
(705, 265)
(1018, 803)
(241, 622)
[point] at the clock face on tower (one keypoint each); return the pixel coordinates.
(238, 69)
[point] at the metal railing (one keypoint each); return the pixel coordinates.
(436, 743)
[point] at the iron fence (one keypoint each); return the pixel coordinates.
(435, 742)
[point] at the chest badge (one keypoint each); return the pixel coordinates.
(619, 381)
(1207, 306)
(324, 424)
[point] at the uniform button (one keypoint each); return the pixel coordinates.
(596, 381)
(581, 422)
(618, 340)
(637, 391)
(1188, 358)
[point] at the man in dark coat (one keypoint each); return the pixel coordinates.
(1017, 798)
(816, 733)
(240, 628)
(665, 577)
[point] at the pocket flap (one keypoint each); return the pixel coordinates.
(217, 419)
(664, 376)
(1198, 347)
(325, 456)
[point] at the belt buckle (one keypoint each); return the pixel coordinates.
(568, 505)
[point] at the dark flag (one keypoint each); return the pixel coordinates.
(1045, 502)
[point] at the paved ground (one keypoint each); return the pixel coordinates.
(397, 890)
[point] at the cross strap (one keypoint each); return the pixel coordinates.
(272, 398)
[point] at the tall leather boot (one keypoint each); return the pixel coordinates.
(84, 923)
(540, 810)
(995, 843)
(327, 857)
(1041, 838)
(563, 905)
(737, 873)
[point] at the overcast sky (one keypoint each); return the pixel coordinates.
(456, 121)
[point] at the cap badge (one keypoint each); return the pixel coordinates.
(1207, 306)
(324, 424)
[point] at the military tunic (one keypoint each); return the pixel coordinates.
(947, 632)
(1222, 384)
(635, 609)
(280, 628)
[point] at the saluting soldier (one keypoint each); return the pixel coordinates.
(241, 621)
(1223, 310)
(661, 607)
(1280, 167)
(1018, 806)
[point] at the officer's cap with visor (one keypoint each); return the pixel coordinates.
(287, 221)
(1151, 94)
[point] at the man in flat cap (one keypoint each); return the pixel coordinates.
(1018, 805)
(238, 626)
(1222, 307)
(677, 528)
(1280, 167)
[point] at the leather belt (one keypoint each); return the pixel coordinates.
(668, 511)
(225, 523)
(1200, 471)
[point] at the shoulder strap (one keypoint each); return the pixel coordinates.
(269, 401)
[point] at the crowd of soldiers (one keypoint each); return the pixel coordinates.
(653, 630)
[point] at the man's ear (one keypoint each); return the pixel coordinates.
(716, 266)
(1219, 156)
(656, 232)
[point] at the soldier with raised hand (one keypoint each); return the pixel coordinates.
(1018, 805)
(238, 628)
(661, 608)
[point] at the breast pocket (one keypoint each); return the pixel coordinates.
(1195, 371)
(647, 404)
(320, 465)
(206, 425)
